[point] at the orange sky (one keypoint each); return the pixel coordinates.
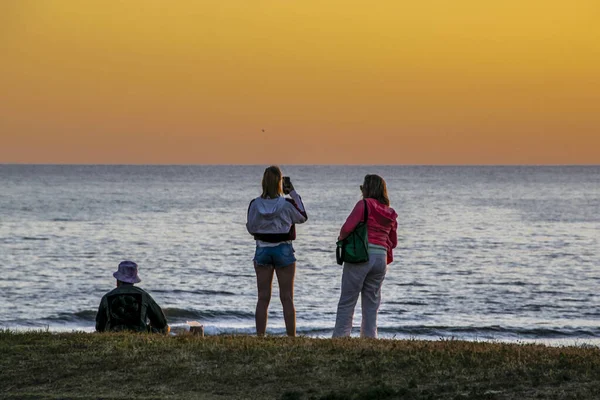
(330, 81)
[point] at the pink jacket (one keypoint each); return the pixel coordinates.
(381, 224)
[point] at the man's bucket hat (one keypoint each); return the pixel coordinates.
(128, 272)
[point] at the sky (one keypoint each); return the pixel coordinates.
(300, 82)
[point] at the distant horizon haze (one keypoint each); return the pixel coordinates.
(294, 165)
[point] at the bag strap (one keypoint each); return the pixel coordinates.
(366, 213)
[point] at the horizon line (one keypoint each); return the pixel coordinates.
(295, 164)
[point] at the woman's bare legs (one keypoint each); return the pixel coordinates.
(285, 278)
(264, 281)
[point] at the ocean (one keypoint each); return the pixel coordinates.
(500, 253)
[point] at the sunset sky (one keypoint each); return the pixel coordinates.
(329, 81)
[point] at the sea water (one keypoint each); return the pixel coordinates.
(484, 253)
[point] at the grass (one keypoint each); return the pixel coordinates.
(130, 366)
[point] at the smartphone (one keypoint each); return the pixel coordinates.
(286, 182)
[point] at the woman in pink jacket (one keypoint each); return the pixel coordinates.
(365, 279)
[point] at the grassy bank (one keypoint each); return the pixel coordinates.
(124, 366)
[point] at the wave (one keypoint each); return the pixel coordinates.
(504, 283)
(412, 284)
(211, 292)
(34, 238)
(83, 320)
(407, 303)
(226, 274)
(220, 330)
(429, 332)
(491, 332)
(202, 315)
(433, 332)
(180, 316)
(79, 316)
(172, 314)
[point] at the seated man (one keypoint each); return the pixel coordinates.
(128, 308)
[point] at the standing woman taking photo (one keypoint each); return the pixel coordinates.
(271, 220)
(365, 279)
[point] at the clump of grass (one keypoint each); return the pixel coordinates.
(83, 365)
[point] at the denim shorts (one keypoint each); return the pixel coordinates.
(277, 256)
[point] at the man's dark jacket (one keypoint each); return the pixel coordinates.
(129, 308)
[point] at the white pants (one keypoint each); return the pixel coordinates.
(364, 279)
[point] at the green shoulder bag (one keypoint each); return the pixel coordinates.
(354, 248)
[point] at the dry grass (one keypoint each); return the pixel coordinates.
(124, 366)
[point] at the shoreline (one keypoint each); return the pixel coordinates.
(78, 365)
(178, 329)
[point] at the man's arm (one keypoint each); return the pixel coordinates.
(101, 316)
(156, 316)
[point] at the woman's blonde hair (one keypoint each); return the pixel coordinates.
(374, 187)
(271, 183)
